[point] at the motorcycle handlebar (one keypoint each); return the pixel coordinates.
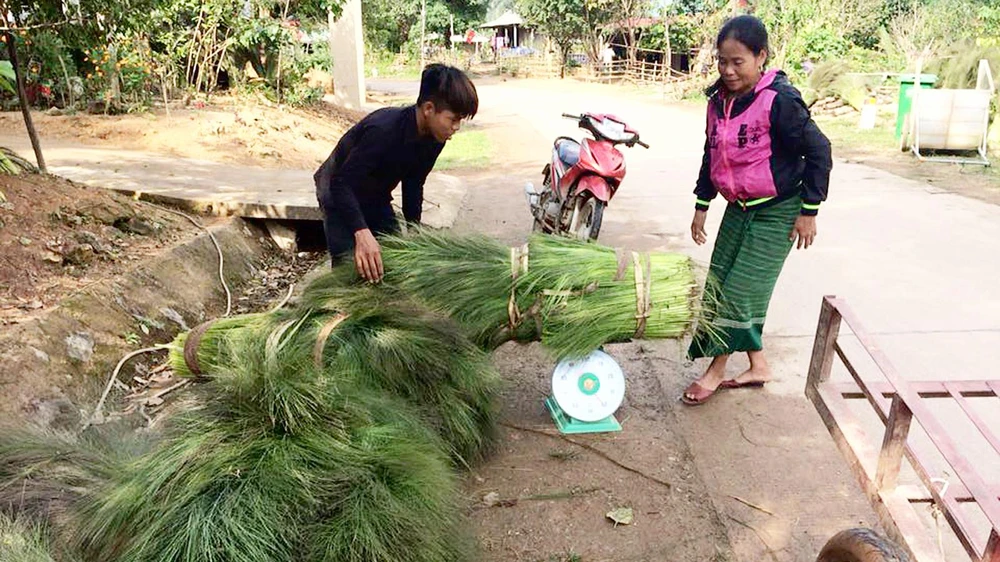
(579, 117)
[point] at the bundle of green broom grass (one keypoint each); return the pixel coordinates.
(572, 295)
(44, 477)
(378, 339)
(22, 541)
(286, 457)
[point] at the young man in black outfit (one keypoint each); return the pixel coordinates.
(391, 145)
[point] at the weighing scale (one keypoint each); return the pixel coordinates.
(585, 394)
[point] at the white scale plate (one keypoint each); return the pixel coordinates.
(589, 389)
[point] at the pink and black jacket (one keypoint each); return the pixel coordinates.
(762, 148)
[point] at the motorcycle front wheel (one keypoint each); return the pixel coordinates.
(588, 213)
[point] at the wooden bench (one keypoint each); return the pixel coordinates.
(899, 403)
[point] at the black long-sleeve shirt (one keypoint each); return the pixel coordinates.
(370, 160)
(800, 160)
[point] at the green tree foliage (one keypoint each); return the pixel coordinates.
(561, 21)
(683, 32)
(801, 30)
(989, 16)
(393, 25)
(6, 76)
(872, 34)
(201, 36)
(693, 7)
(129, 50)
(597, 14)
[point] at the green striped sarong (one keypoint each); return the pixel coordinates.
(749, 253)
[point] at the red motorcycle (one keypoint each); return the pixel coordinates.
(582, 177)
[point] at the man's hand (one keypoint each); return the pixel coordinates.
(368, 256)
(698, 233)
(804, 231)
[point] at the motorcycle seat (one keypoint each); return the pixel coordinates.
(569, 151)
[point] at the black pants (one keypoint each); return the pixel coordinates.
(340, 239)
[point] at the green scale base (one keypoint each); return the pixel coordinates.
(568, 425)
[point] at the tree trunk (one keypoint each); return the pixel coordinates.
(23, 98)
(632, 47)
(592, 42)
(69, 87)
(284, 18)
(114, 82)
(195, 50)
(669, 54)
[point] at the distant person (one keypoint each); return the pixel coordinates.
(607, 58)
(771, 163)
(608, 55)
(391, 145)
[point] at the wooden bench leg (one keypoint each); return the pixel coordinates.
(826, 337)
(993, 548)
(897, 428)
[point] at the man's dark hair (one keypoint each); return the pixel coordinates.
(448, 88)
(748, 30)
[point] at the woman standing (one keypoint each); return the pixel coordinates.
(771, 163)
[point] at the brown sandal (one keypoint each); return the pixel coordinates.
(732, 383)
(696, 395)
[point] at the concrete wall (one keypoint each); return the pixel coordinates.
(347, 46)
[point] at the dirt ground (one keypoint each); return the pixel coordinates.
(227, 130)
(57, 236)
(546, 498)
(149, 385)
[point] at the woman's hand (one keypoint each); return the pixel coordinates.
(698, 227)
(804, 232)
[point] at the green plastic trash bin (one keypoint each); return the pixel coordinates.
(906, 83)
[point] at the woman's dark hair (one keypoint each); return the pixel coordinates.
(748, 30)
(448, 88)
